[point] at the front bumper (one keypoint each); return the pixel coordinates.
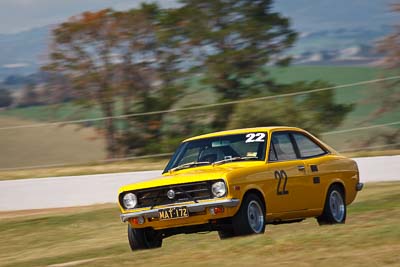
(359, 186)
(195, 207)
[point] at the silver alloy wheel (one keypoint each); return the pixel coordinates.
(255, 216)
(336, 205)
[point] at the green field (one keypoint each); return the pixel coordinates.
(362, 96)
(94, 236)
(200, 94)
(60, 112)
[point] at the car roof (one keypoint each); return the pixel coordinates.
(244, 130)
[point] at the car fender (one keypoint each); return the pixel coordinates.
(255, 187)
(335, 181)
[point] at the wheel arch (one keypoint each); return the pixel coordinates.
(257, 192)
(338, 183)
(327, 217)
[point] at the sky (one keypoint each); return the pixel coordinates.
(20, 15)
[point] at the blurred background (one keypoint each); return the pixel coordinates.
(87, 83)
(114, 86)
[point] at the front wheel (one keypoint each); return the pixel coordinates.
(335, 207)
(226, 233)
(145, 238)
(250, 219)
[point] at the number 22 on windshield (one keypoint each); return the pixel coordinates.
(255, 137)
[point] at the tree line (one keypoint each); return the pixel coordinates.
(145, 59)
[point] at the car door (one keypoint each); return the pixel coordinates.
(289, 173)
(316, 167)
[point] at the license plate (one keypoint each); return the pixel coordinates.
(173, 213)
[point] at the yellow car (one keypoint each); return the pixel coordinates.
(235, 182)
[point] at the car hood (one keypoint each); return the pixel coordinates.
(195, 174)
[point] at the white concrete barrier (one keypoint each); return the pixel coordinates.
(377, 169)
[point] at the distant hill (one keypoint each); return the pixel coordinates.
(338, 32)
(310, 16)
(22, 53)
(330, 30)
(339, 47)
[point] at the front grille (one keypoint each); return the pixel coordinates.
(183, 192)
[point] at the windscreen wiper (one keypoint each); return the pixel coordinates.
(233, 159)
(190, 164)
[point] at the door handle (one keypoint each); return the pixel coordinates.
(301, 168)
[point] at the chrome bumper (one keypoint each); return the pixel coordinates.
(195, 207)
(359, 186)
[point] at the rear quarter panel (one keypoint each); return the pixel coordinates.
(333, 169)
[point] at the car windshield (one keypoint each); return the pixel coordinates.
(219, 150)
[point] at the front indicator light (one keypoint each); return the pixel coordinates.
(138, 220)
(216, 210)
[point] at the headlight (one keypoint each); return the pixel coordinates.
(130, 200)
(218, 189)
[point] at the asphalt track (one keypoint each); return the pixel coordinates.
(70, 191)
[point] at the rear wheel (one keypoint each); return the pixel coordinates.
(335, 207)
(145, 238)
(250, 219)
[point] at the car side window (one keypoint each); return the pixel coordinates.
(307, 147)
(283, 147)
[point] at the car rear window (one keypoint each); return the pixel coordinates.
(307, 147)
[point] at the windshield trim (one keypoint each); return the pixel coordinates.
(181, 148)
(189, 165)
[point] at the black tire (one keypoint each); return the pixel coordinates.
(335, 209)
(226, 233)
(250, 219)
(145, 238)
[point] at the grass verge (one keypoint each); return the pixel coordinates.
(129, 166)
(114, 167)
(95, 237)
